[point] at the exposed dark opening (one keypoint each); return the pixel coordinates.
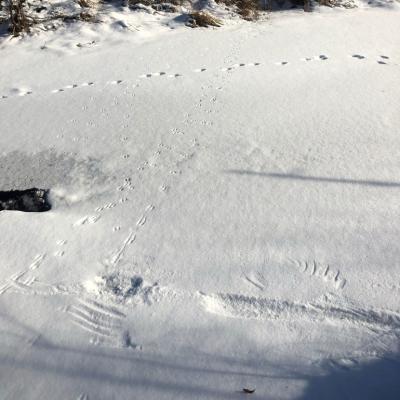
(30, 200)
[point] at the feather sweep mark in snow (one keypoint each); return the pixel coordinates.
(100, 320)
(321, 271)
(240, 306)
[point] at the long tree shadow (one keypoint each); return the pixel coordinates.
(311, 178)
(377, 380)
(188, 377)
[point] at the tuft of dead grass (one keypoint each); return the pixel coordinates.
(155, 3)
(247, 9)
(203, 19)
(18, 17)
(337, 3)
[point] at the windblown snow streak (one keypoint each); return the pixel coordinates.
(239, 306)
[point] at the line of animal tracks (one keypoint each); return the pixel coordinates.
(22, 92)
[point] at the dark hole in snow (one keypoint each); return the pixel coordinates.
(30, 200)
(136, 283)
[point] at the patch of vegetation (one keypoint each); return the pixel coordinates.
(247, 9)
(21, 16)
(19, 19)
(203, 19)
(158, 5)
(337, 3)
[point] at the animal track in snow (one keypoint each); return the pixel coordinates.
(24, 92)
(236, 66)
(256, 279)
(17, 92)
(142, 220)
(117, 82)
(118, 254)
(163, 188)
(323, 271)
(151, 75)
(245, 307)
(107, 206)
(37, 261)
(87, 220)
(16, 280)
(127, 185)
(358, 56)
(21, 92)
(73, 86)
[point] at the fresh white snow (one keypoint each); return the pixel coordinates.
(225, 209)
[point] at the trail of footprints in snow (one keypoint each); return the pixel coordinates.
(155, 74)
(16, 280)
(126, 186)
(87, 220)
(61, 252)
(118, 254)
(382, 60)
(73, 86)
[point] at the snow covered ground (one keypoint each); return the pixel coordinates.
(225, 209)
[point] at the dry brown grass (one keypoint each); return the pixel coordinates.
(83, 3)
(19, 20)
(157, 4)
(203, 19)
(247, 9)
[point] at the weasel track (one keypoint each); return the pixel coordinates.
(20, 92)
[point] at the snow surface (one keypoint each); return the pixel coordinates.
(225, 209)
